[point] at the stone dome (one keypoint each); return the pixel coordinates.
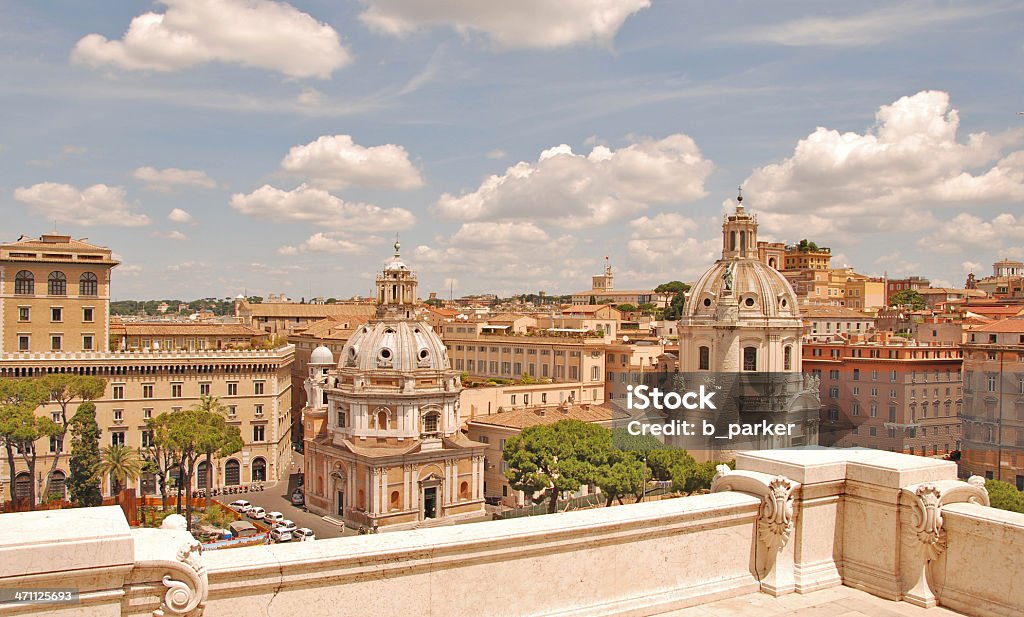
(759, 291)
(395, 345)
(321, 355)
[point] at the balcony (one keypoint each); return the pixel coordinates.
(789, 532)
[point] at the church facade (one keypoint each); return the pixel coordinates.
(384, 446)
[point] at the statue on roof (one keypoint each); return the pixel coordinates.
(727, 277)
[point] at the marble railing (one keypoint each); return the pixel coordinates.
(900, 527)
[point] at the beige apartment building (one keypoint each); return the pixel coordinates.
(54, 294)
(285, 318)
(161, 368)
(828, 320)
(567, 358)
(993, 444)
(254, 386)
(888, 394)
(627, 361)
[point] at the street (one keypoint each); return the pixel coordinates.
(277, 497)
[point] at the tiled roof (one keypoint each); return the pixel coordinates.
(817, 311)
(287, 309)
(522, 418)
(183, 329)
(1013, 325)
(333, 327)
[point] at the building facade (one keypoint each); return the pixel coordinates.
(384, 445)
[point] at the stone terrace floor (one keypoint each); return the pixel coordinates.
(832, 602)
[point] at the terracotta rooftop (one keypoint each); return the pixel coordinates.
(334, 327)
(1012, 325)
(522, 418)
(288, 309)
(815, 311)
(183, 329)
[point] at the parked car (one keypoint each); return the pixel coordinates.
(286, 524)
(273, 517)
(240, 505)
(298, 498)
(280, 534)
(304, 534)
(257, 513)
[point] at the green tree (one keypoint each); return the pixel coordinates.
(675, 307)
(20, 428)
(647, 308)
(122, 464)
(674, 287)
(626, 473)
(910, 297)
(84, 466)
(217, 436)
(549, 459)
(160, 458)
(64, 388)
(626, 307)
(434, 302)
(184, 431)
(1004, 496)
(692, 476)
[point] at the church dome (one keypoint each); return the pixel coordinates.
(759, 290)
(321, 355)
(395, 345)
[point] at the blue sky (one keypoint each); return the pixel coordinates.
(221, 146)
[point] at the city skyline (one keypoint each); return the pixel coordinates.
(508, 156)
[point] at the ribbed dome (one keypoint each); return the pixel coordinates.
(759, 290)
(321, 355)
(395, 346)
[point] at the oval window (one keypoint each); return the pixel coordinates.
(707, 301)
(749, 302)
(385, 353)
(424, 354)
(783, 303)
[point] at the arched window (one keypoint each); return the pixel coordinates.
(25, 283)
(57, 284)
(395, 500)
(382, 419)
(430, 422)
(232, 473)
(464, 490)
(732, 240)
(88, 284)
(750, 358)
(58, 481)
(202, 475)
(22, 485)
(787, 358)
(259, 469)
(704, 358)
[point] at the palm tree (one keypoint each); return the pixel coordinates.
(121, 463)
(217, 437)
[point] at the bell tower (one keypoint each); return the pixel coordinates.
(739, 233)
(396, 288)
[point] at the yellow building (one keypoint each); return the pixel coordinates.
(54, 294)
(170, 373)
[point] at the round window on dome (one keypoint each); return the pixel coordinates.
(424, 354)
(707, 301)
(749, 302)
(783, 303)
(385, 353)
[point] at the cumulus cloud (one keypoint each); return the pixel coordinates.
(178, 215)
(969, 233)
(255, 33)
(329, 242)
(64, 204)
(306, 203)
(509, 256)
(882, 180)
(869, 28)
(166, 179)
(508, 25)
(336, 161)
(669, 246)
(572, 190)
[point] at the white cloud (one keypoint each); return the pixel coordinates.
(668, 246)
(870, 28)
(509, 25)
(254, 33)
(575, 191)
(967, 233)
(166, 179)
(130, 270)
(329, 242)
(178, 215)
(508, 256)
(336, 161)
(889, 177)
(170, 235)
(96, 205)
(497, 154)
(971, 266)
(306, 203)
(310, 97)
